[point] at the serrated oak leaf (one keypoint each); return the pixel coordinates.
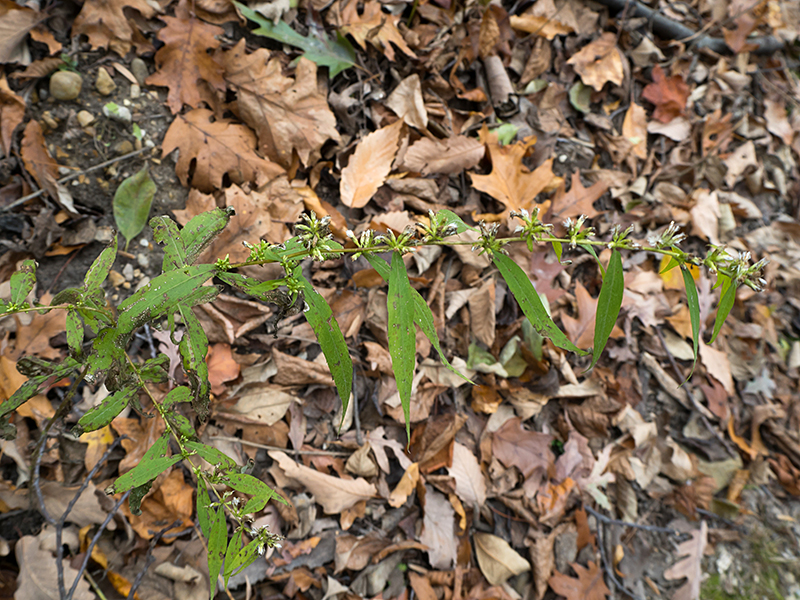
(107, 25)
(216, 148)
(373, 25)
(599, 62)
(589, 585)
(669, 94)
(691, 565)
(578, 200)
(288, 114)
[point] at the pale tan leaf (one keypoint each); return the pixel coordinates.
(778, 120)
(438, 530)
(690, 566)
(407, 103)
(482, 313)
(264, 403)
(705, 215)
(449, 156)
(332, 493)
(634, 129)
(497, 559)
(718, 365)
(38, 576)
(15, 23)
(589, 585)
(373, 25)
(470, 483)
(369, 165)
(404, 487)
(511, 182)
(599, 62)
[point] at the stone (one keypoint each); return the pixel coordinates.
(127, 272)
(104, 84)
(85, 118)
(116, 278)
(143, 260)
(65, 85)
(49, 120)
(136, 91)
(139, 70)
(123, 147)
(117, 112)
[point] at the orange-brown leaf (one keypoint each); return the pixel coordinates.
(221, 367)
(599, 62)
(106, 25)
(578, 200)
(511, 182)
(217, 148)
(450, 156)
(12, 112)
(183, 60)
(36, 157)
(669, 94)
(369, 165)
(589, 585)
(372, 25)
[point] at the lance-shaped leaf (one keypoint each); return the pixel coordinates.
(234, 546)
(266, 291)
(137, 495)
(530, 303)
(22, 282)
(31, 387)
(401, 333)
(166, 233)
(203, 229)
(423, 316)
(216, 547)
(608, 304)
(245, 557)
(216, 457)
(247, 484)
(154, 462)
(101, 267)
(74, 330)
(693, 302)
(446, 218)
(193, 348)
(105, 412)
(205, 513)
(132, 202)
(320, 316)
(726, 301)
(176, 396)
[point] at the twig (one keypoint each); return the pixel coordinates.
(609, 521)
(287, 450)
(606, 565)
(149, 558)
(75, 175)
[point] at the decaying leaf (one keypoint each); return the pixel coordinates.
(107, 25)
(369, 165)
(589, 584)
(437, 529)
(373, 25)
(497, 559)
(669, 94)
(690, 566)
(449, 156)
(599, 62)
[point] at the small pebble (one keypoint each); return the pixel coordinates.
(136, 91)
(117, 113)
(139, 70)
(104, 84)
(127, 285)
(137, 273)
(144, 243)
(116, 278)
(49, 120)
(64, 171)
(85, 118)
(143, 260)
(126, 102)
(65, 85)
(127, 272)
(123, 147)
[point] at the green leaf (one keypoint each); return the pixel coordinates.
(105, 412)
(244, 558)
(336, 54)
(176, 396)
(401, 333)
(726, 301)
(423, 316)
(212, 455)
(166, 233)
(580, 96)
(247, 484)
(446, 218)
(106, 350)
(320, 316)
(673, 262)
(608, 304)
(31, 387)
(154, 462)
(266, 291)
(521, 287)
(101, 267)
(155, 369)
(136, 496)
(590, 249)
(203, 229)
(132, 202)
(205, 514)
(22, 282)
(558, 249)
(193, 348)
(234, 546)
(216, 548)
(693, 302)
(75, 332)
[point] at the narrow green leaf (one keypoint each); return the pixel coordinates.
(446, 218)
(216, 548)
(22, 282)
(336, 54)
(68, 296)
(203, 229)
(205, 514)
(320, 316)
(423, 316)
(137, 495)
(401, 333)
(176, 396)
(558, 248)
(193, 348)
(245, 557)
(530, 303)
(154, 462)
(673, 262)
(156, 369)
(590, 249)
(31, 387)
(234, 546)
(726, 302)
(247, 484)
(101, 267)
(105, 412)
(166, 233)
(106, 350)
(266, 291)
(608, 304)
(216, 457)
(74, 330)
(132, 202)
(693, 302)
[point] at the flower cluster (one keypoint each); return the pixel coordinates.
(315, 234)
(575, 231)
(438, 228)
(669, 238)
(532, 229)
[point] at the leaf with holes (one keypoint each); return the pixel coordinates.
(402, 341)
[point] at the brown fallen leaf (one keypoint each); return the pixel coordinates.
(12, 113)
(221, 367)
(34, 338)
(599, 62)
(581, 329)
(778, 120)
(172, 501)
(690, 566)
(497, 559)
(216, 148)
(288, 114)
(406, 485)
(332, 493)
(669, 94)
(529, 451)
(38, 576)
(372, 25)
(634, 129)
(449, 156)
(544, 19)
(438, 531)
(369, 165)
(262, 402)
(470, 482)
(589, 584)
(184, 59)
(107, 26)
(15, 23)
(407, 103)
(578, 200)
(482, 313)
(37, 159)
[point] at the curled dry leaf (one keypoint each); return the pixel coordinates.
(589, 584)
(332, 493)
(544, 19)
(107, 25)
(36, 157)
(497, 559)
(438, 530)
(38, 576)
(470, 483)
(373, 25)
(407, 103)
(599, 62)
(369, 165)
(12, 113)
(449, 156)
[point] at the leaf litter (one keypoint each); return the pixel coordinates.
(609, 121)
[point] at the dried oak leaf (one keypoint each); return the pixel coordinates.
(221, 367)
(36, 157)
(107, 26)
(449, 156)
(578, 200)
(288, 114)
(544, 19)
(511, 182)
(529, 451)
(599, 62)
(669, 94)
(373, 25)
(216, 148)
(332, 493)
(12, 113)
(369, 165)
(581, 330)
(15, 23)
(690, 566)
(184, 59)
(589, 584)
